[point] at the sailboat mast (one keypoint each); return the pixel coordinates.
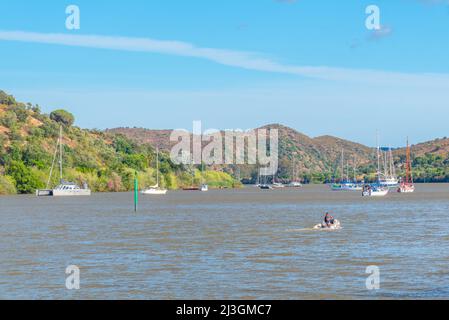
(392, 170)
(378, 157)
(157, 166)
(408, 169)
(342, 164)
(60, 153)
(355, 171)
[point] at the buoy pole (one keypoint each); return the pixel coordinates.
(136, 192)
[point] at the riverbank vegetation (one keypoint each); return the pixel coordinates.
(107, 162)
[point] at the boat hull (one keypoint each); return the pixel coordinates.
(44, 193)
(375, 193)
(406, 189)
(71, 193)
(390, 183)
(346, 187)
(63, 193)
(154, 192)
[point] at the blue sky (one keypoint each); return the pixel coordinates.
(311, 65)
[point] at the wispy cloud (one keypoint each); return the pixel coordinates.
(381, 33)
(286, 1)
(232, 58)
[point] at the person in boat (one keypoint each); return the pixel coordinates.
(328, 220)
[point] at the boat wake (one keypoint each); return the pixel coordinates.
(300, 230)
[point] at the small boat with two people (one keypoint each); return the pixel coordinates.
(65, 188)
(329, 223)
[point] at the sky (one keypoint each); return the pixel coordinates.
(309, 64)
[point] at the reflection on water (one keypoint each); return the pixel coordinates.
(226, 245)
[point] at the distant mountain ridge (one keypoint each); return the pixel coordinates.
(319, 158)
(311, 154)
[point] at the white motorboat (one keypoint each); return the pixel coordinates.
(375, 191)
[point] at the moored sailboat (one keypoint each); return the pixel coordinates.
(376, 189)
(65, 188)
(155, 190)
(407, 186)
(388, 178)
(345, 184)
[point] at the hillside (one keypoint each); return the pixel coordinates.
(319, 159)
(307, 158)
(107, 162)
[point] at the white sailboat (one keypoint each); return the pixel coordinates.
(345, 184)
(295, 183)
(155, 190)
(388, 178)
(377, 189)
(204, 187)
(65, 188)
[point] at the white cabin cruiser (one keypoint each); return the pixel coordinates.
(66, 189)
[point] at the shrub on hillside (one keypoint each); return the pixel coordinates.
(6, 99)
(63, 117)
(7, 185)
(26, 180)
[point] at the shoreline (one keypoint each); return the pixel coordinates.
(244, 186)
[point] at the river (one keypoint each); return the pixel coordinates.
(226, 244)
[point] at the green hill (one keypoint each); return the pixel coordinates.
(106, 161)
